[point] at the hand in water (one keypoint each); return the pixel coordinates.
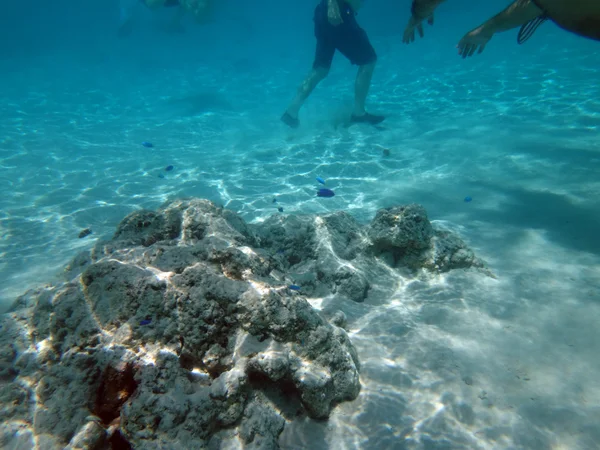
(334, 15)
(472, 41)
(409, 32)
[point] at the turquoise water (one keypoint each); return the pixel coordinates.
(516, 128)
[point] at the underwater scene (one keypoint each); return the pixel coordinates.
(325, 224)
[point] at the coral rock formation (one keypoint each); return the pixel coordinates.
(181, 332)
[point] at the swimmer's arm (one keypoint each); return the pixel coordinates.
(515, 15)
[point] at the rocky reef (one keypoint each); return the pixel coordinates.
(190, 327)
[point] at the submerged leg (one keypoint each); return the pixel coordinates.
(316, 75)
(361, 87)
(361, 90)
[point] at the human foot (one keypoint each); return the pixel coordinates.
(290, 121)
(371, 119)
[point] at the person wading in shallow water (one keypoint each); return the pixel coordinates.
(336, 28)
(581, 17)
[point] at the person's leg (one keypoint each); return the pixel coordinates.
(323, 58)
(316, 75)
(361, 88)
(353, 42)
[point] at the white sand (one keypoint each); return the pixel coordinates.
(457, 361)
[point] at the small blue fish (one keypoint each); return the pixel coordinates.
(280, 209)
(468, 199)
(84, 233)
(147, 144)
(145, 322)
(280, 251)
(160, 175)
(324, 192)
(169, 168)
(294, 287)
(274, 200)
(320, 180)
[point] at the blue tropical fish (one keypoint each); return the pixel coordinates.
(147, 144)
(324, 192)
(320, 180)
(294, 287)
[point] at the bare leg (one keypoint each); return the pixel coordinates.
(516, 14)
(315, 76)
(361, 88)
